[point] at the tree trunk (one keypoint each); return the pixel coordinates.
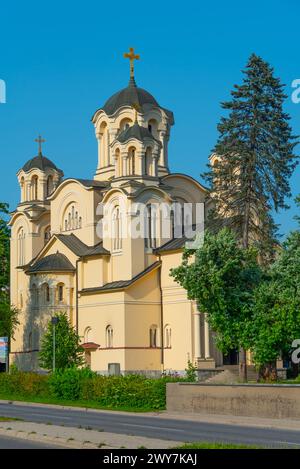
(268, 372)
(243, 367)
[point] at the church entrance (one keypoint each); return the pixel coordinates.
(232, 358)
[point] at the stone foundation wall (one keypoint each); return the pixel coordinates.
(257, 400)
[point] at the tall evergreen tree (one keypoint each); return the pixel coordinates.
(254, 158)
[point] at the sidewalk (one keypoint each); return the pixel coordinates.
(70, 437)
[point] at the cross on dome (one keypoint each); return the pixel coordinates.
(40, 140)
(132, 57)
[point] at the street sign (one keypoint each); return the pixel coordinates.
(3, 350)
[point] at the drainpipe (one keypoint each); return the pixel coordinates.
(162, 354)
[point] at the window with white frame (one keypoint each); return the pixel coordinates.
(153, 336)
(109, 337)
(21, 246)
(168, 336)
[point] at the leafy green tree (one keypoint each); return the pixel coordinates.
(68, 352)
(276, 318)
(4, 248)
(222, 280)
(255, 159)
(8, 317)
(8, 313)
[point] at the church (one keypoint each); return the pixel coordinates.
(70, 250)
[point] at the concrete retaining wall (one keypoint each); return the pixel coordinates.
(273, 401)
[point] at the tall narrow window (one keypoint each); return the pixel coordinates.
(87, 335)
(50, 185)
(47, 235)
(34, 188)
(150, 225)
(109, 337)
(47, 293)
(22, 184)
(153, 336)
(60, 293)
(132, 161)
(21, 247)
(148, 162)
(168, 332)
(116, 230)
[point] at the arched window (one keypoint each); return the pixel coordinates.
(21, 247)
(132, 161)
(34, 295)
(46, 293)
(104, 145)
(168, 336)
(88, 335)
(50, 185)
(153, 336)
(47, 235)
(152, 127)
(22, 184)
(60, 292)
(150, 226)
(34, 188)
(72, 220)
(109, 337)
(148, 162)
(116, 230)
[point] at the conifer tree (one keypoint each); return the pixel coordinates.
(254, 159)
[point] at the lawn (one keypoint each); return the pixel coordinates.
(77, 403)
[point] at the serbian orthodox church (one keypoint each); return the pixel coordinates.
(116, 289)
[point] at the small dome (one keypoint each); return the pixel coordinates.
(39, 162)
(132, 95)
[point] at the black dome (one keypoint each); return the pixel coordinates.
(132, 95)
(39, 162)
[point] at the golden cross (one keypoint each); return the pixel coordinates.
(40, 140)
(132, 57)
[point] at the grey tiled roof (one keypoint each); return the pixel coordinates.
(79, 248)
(53, 263)
(92, 183)
(120, 284)
(39, 162)
(172, 245)
(135, 131)
(131, 95)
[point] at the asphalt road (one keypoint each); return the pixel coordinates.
(154, 427)
(18, 443)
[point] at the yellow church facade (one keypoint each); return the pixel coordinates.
(72, 250)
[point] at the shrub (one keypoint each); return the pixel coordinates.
(24, 384)
(67, 383)
(191, 372)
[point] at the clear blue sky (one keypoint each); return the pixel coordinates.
(61, 60)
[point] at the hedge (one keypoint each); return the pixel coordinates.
(131, 391)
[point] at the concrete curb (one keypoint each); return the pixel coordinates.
(57, 441)
(74, 408)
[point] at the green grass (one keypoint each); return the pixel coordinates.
(62, 402)
(207, 445)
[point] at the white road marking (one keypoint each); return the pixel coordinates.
(145, 427)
